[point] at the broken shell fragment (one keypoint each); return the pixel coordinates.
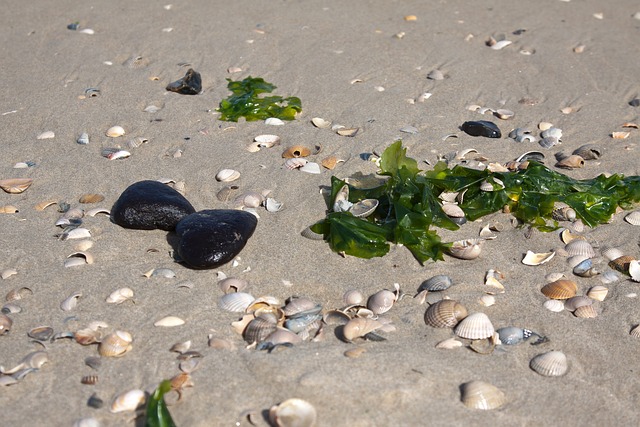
(532, 258)
(41, 333)
(15, 185)
(482, 395)
(71, 302)
(320, 122)
(633, 218)
(620, 135)
(295, 163)
(571, 162)
(116, 344)
(475, 326)
(364, 208)
(8, 209)
(359, 327)
(296, 151)
(466, 249)
(128, 401)
(169, 322)
(589, 151)
(449, 344)
(91, 198)
(310, 167)
(115, 131)
(349, 132)
(120, 295)
(46, 135)
(115, 153)
(550, 364)
(293, 413)
(78, 258)
(227, 175)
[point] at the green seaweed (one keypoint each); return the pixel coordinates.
(157, 414)
(245, 102)
(409, 203)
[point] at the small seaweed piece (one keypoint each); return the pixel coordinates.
(245, 102)
(157, 414)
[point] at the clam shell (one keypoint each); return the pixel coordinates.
(226, 193)
(250, 199)
(116, 344)
(364, 208)
(589, 151)
(15, 185)
(487, 300)
(466, 249)
(439, 282)
(554, 305)
(359, 327)
(449, 344)
(611, 253)
(586, 312)
(283, 336)
(598, 292)
(127, 401)
(273, 121)
(41, 333)
(453, 211)
(296, 151)
(381, 301)
(482, 395)
(560, 289)
(492, 186)
(475, 326)
(550, 364)
(169, 322)
(580, 247)
(301, 305)
(445, 313)
(258, 329)
(633, 218)
(293, 413)
(349, 132)
(267, 141)
(88, 336)
(227, 175)
(115, 131)
(320, 122)
(236, 302)
(341, 201)
(353, 297)
(120, 295)
(574, 303)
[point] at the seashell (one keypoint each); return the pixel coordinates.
(273, 121)
(272, 205)
(589, 151)
(89, 379)
(548, 142)
(83, 139)
(225, 194)
(504, 114)
(634, 270)
(574, 303)
(46, 135)
(320, 123)
(8, 272)
(493, 185)
(609, 277)
(353, 297)
(311, 167)
(95, 402)
(258, 329)
(512, 335)
(87, 336)
(475, 326)
(585, 269)
(560, 289)
(571, 162)
(283, 336)
(586, 312)
(43, 205)
(8, 209)
(267, 141)
(554, 305)
(116, 344)
(296, 151)
(115, 131)
(355, 352)
(551, 132)
(95, 211)
(445, 313)
(611, 253)
(466, 249)
(91, 198)
(167, 273)
(227, 175)
(250, 199)
(15, 185)
(87, 422)
(349, 132)
(71, 302)
(128, 401)
(487, 300)
(295, 163)
(169, 322)
(435, 75)
(482, 395)
(534, 259)
(335, 317)
(359, 327)
(115, 153)
(452, 211)
(301, 305)
(329, 162)
(364, 208)
(232, 284)
(78, 258)
(536, 156)
(17, 294)
(341, 201)
(41, 333)
(439, 282)
(550, 364)
(381, 301)
(633, 218)
(10, 308)
(293, 413)
(621, 264)
(635, 332)
(311, 235)
(498, 45)
(598, 292)
(620, 135)
(564, 213)
(120, 295)
(236, 302)
(449, 344)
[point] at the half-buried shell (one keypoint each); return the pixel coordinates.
(550, 364)
(482, 395)
(445, 313)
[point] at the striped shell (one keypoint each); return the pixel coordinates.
(611, 253)
(227, 175)
(116, 344)
(258, 329)
(598, 293)
(482, 395)
(621, 264)
(560, 289)
(586, 312)
(236, 302)
(476, 326)
(550, 364)
(580, 247)
(578, 301)
(439, 282)
(445, 314)
(633, 218)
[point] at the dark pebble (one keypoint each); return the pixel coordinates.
(635, 102)
(211, 238)
(190, 84)
(147, 205)
(482, 128)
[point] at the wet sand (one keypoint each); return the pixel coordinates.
(312, 50)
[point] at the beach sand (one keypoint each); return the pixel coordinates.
(312, 50)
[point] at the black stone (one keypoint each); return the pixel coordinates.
(190, 84)
(147, 205)
(635, 102)
(482, 128)
(214, 237)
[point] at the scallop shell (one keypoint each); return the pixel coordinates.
(550, 364)
(445, 313)
(482, 395)
(15, 185)
(293, 413)
(227, 175)
(116, 344)
(598, 292)
(466, 249)
(115, 131)
(560, 289)
(574, 303)
(169, 322)
(554, 305)
(586, 312)
(633, 218)
(296, 151)
(580, 247)
(120, 295)
(359, 327)
(128, 401)
(381, 301)
(439, 282)
(475, 326)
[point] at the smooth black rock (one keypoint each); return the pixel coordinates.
(635, 102)
(481, 128)
(190, 84)
(147, 205)
(214, 237)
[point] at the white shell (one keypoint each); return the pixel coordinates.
(487, 300)
(293, 413)
(598, 292)
(311, 167)
(449, 344)
(71, 302)
(127, 401)
(554, 305)
(466, 249)
(353, 297)
(273, 121)
(236, 302)
(611, 253)
(295, 163)
(46, 135)
(501, 44)
(550, 364)
(633, 218)
(634, 270)
(482, 395)
(580, 247)
(120, 295)
(227, 175)
(115, 131)
(320, 122)
(475, 326)
(169, 321)
(532, 258)
(381, 301)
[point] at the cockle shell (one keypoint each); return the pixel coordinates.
(574, 303)
(475, 326)
(381, 301)
(115, 131)
(482, 395)
(611, 253)
(453, 211)
(227, 175)
(635, 331)
(127, 401)
(258, 329)
(15, 185)
(633, 218)
(445, 313)
(586, 312)
(301, 305)
(598, 292)
(550, 364)
(232, 284)
(554, 305)
(439, 282)
(116, 344)
(560, 289)
(622, 263)
(293, 413)
(580, 247)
